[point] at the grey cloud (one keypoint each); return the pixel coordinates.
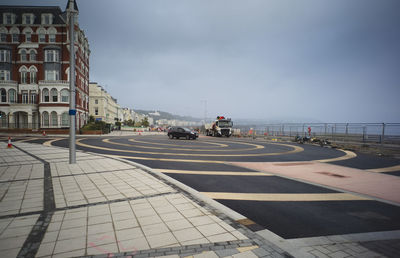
(326, 60)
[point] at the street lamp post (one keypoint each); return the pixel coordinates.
(72, 104)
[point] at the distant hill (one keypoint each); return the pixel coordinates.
(157, 115)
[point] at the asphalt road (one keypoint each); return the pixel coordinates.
(204, 164)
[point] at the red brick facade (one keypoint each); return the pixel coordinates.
(34, 73)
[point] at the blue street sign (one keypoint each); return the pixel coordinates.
(72, 112)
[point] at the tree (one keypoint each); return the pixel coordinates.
(145, 122)
(129, 122)
(91, 119)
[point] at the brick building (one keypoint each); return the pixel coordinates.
(34, 67)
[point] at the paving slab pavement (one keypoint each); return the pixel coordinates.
(104, 207)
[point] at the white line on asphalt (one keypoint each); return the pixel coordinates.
(218, 173)
(285, 197)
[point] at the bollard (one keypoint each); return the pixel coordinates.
(9, 145)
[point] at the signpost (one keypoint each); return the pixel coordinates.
(72, 104)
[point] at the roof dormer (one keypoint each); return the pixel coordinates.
(28, 18)
(47, 18)
(9, 18)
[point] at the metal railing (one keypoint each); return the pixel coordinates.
(388, 133)
(53, 82)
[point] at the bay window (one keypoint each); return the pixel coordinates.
(52, 75)
(52, 55)
(4, 55)
(4, 75)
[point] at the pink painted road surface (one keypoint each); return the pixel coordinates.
(375, 185)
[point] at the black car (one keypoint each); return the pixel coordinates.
(178, 132)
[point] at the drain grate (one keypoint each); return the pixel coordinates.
(332, 174)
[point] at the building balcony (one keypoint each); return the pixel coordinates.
(8, 83)
(63, 83)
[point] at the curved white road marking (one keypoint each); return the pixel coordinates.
(168, 144)
(218, 173)
(256, 146)
(285, 197)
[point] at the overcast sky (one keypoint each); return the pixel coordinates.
(331, 61)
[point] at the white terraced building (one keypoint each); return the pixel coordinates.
(34, 68)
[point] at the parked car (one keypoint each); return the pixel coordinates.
(178, 132)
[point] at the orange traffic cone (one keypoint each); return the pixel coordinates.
(9, 145)
(44, 133)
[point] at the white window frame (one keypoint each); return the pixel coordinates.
(52, 96)
(65, 119)
(42, 38)
(54, 118)
(24, 76)
(24, 55)
(33, 96)
(52, 38)
(25, 97)
(52, 75)
(28, 36)
(25, 18)
(15, 37)
(12, 98)
(49, 16)
(52, 55)
(64, 95)
(3, 97)
(4, 75)
(3, 36)
(9, 15)
(5, 55)
(45, 95)
(33, 76)
(32, 55)
(46, 120)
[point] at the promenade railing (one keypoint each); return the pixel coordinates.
(388, 133)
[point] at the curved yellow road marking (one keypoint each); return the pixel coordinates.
(256, 146)
(26, 140)
(218, 173)
(348, 155)
(49, 143)
(383, 170)
(212, 143)
(295, 150)
(143, 158)
(171, 160)
(285, 197)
